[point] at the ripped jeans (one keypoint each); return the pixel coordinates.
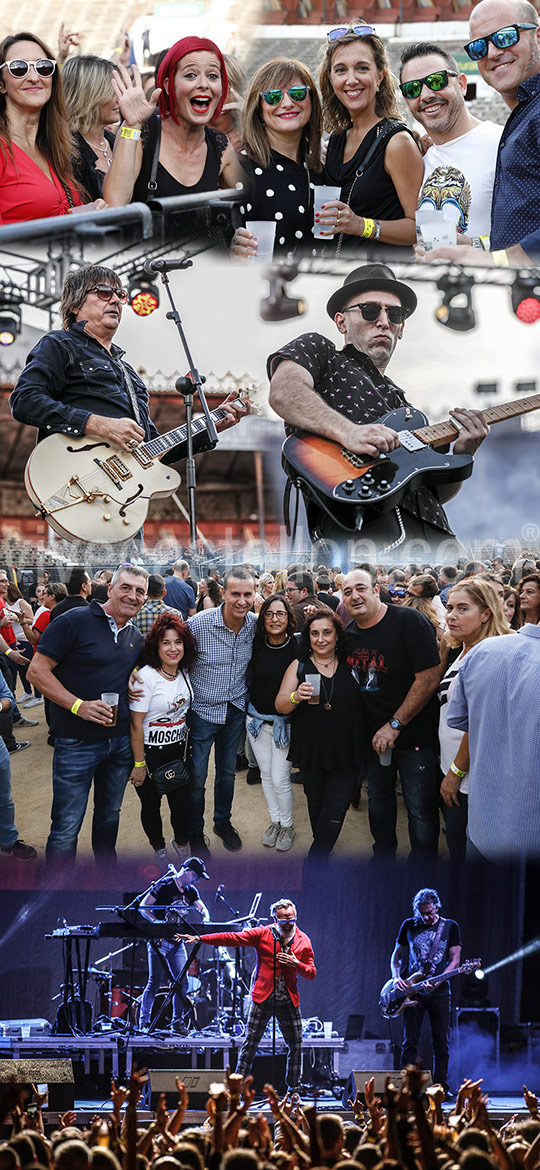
(328, 797)
(420, 780)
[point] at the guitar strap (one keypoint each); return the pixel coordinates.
(128, 381)
(433, 948)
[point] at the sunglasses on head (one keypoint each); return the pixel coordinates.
(359, 30)
(297, 93)
(371, 310)
(18, 69)
(106, 292)
(434, 81)
(503, 38)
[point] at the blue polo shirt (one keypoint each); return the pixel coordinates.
(180, 595)
(90, 659)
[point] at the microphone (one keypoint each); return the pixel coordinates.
(152, 267)
(219, 892)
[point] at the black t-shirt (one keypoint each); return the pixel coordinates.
(169, 894)
(68, 603)
(265, 673)
(419, 939)
(387, 657)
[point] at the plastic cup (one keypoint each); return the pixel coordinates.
(315, 680)
(264, 231)
(327, 1028)
(112, 698)
(323, 195)
(436, 232)
(385, 758)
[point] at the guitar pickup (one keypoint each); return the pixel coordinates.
(142, 457)
(410, 442)
(119, 467)
(107, 465)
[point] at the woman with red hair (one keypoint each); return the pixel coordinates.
(158, 728)
(166, 145)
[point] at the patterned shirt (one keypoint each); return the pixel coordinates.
(149, 613)
(495, 699)
(515, 213)
(350, 383)
(219, 674)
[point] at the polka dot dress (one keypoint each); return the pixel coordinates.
(283, 192)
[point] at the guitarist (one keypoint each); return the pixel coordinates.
(75, 381)
(430, 944)
(342, 394)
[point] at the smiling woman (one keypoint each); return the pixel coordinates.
(175, 152)
(91, 108)
(36, 178)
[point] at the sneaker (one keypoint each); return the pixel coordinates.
(24, 722)
(295, 776)
(271, 834)
(253, 775)
(182, 851)
(25, 698)
(161, 854)
(242, 762)
(33, 702)
(287, 833)
(19, 747)
(19, 851)
(199, 846)
(231, 839)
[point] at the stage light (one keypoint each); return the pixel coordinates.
(474, 989)
(526, 297)
(278, 306)
(10, 317)
(456, 310)
(143, 295)
(479, 974)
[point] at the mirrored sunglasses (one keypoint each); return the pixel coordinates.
(359, 30)
(434, 81)
(297, 93)
(503, 38)
(106, 292)
(19, 69)
(371, 310)
(397, 592)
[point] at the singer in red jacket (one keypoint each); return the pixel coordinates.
(293, 957)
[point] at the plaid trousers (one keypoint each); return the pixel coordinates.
(290, 1022)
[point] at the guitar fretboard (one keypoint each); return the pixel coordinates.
(446, 432)
(162, 443)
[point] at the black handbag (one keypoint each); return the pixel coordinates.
(168, 777)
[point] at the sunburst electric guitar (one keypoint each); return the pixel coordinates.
(90, 489)
(377, 485)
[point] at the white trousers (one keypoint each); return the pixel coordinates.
(275, 772)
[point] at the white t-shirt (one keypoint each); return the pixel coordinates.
(166, 703)
(450, 737)
(459, 177)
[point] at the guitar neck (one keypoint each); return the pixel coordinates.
(446, 432)
(436, 979)
(157, 447)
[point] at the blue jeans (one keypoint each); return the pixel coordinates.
(419, 775)
(226, 737)
(159, 973)
(8, 832)
(76, 763)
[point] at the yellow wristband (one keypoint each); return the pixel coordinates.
(500, 259)
(369, 229)
(76, 705)
(485, 242)
(293, 700)
(128, 132)
(7, 652)
(458, 771)
(139, 764)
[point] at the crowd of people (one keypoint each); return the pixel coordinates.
(407, 679)
(81, 132)
(406, 1126)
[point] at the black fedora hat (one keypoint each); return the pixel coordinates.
(371, 278)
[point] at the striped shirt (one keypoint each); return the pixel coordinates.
(495, 699)
(219, 674)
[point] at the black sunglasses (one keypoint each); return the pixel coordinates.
(297, 93)
(503, 38)
(435, 81)
(371, 310)
(106, 292)
(19, 69)
(359, 30)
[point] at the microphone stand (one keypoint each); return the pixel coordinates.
(187, 387)
(273, 1061)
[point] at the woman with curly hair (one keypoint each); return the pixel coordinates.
(175, 151)
(328, 739)
(474, 612)
(371, 153)
(281, 131)
(158, 728)
(36, 174)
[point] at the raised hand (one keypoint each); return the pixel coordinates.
(135, 108)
